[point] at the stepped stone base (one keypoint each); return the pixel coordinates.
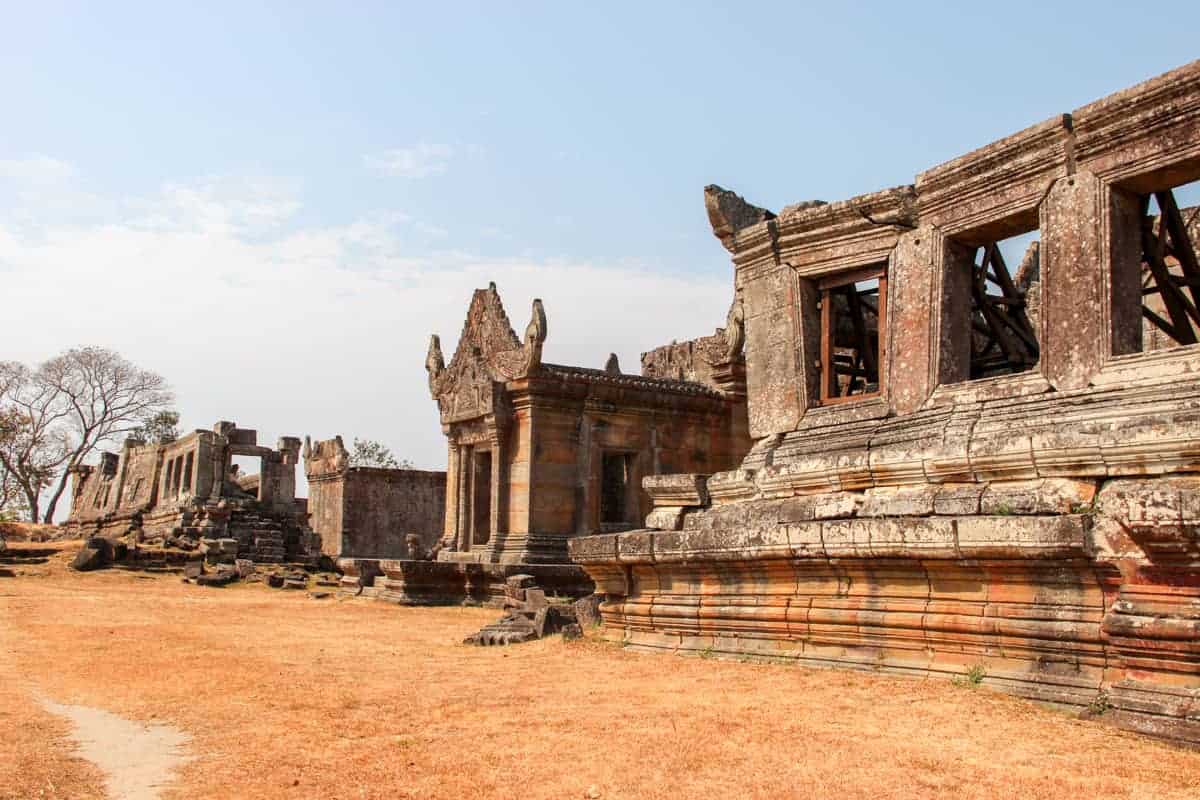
(452, 583)
(1098, 609)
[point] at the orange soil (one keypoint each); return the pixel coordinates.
(290, 697)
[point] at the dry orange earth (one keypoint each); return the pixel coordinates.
(286, 696)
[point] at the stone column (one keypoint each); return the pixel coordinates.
(912, 321)
(1073, 335)
(498, 493)
(450, 521)
(775, 383)
(951, 302)
(466, 463)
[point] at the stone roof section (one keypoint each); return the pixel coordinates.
(632, 381)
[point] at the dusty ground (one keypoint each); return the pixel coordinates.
(288, 697)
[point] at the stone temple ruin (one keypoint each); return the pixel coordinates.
(372, 512)
(539, 453)
(191, 488)
(912, 448)
(958, 466)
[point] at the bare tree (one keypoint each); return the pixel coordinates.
(13, 502)
(69, 405)
(33, 437)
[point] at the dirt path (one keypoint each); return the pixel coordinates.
(137, 760)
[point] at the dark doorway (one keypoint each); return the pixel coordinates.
(481, 498)
(614, 489)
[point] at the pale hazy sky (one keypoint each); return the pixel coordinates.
(274, 205)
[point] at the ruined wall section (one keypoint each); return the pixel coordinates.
(139, 469)
(383, 508)
(371, 512)
(691, 360)
(183, 488)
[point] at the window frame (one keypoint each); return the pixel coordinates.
(825, 287)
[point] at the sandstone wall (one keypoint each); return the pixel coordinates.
(368, 512)
(384, 506)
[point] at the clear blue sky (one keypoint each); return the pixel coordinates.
(579, 129)
(294, 191)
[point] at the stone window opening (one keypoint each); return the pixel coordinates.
(244, 478)
(1168, 272)
(481, 497)
(992, 309)
(616, 481)
(187, 473)
(1003, 337)
(853, 310)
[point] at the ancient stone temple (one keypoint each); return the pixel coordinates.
(192, 486)
(960, 465)
(540, 453)
(371, 512)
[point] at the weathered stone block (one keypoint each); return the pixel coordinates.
(635, 546)
(731, 487)
(958, 499)
(676, 489)
(837, 505)
(588, 549)
(1047, 496)
(905, 502)
(1020, 537)
(668, 518)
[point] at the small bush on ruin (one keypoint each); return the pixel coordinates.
(1099, 705)
(973, 678)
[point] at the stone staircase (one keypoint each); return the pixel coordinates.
(261, 538)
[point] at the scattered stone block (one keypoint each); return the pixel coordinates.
(587, 610)
(222, 577)
(90, 558)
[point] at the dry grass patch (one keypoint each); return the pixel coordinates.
(36, 758)
(288, 697)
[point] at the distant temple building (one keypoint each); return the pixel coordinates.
(540, 453)
(192, 486)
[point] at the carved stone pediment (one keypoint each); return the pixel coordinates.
(488, 355)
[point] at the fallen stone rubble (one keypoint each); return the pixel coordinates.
(529, 614)
(208, 562)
